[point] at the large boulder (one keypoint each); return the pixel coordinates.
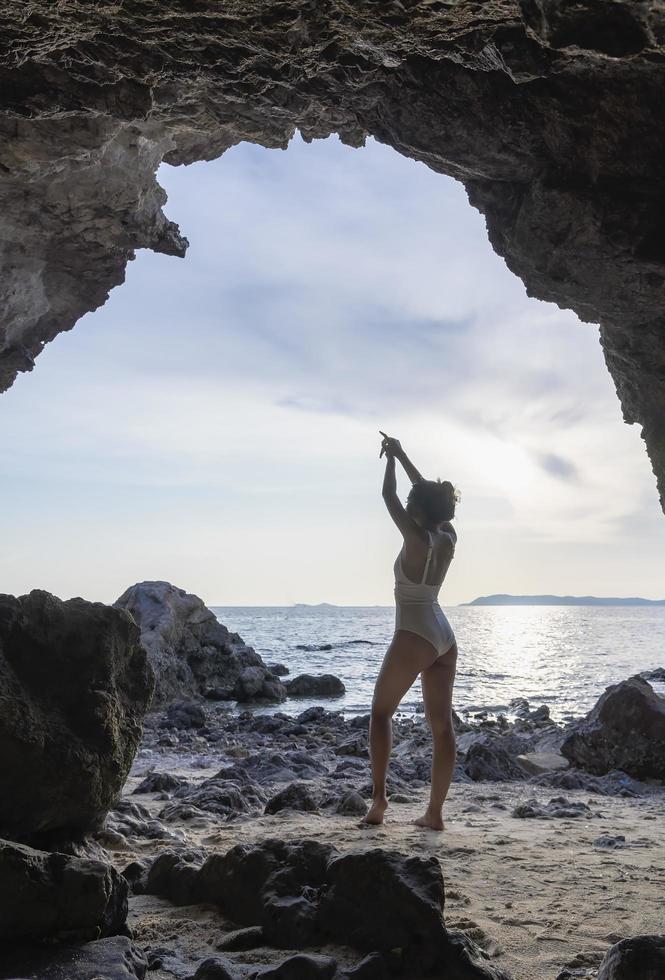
(74, 686)
(315, 686)
(191, 652)
(637, 958)
(379, 899)
(625, 730)
(57, 896)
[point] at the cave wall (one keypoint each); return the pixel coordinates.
(550, 112)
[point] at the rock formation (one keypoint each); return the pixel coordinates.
(302, 894)
(74, 686)
(191, 653)
(637, 958)
(625, 730)
(315, 686)
(550, 113)
(56, 896)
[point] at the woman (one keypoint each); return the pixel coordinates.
(424, 642)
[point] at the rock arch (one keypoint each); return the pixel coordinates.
(550, 112)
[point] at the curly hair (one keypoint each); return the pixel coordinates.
(436, 500)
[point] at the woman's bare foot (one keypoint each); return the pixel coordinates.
(375, 813)
(430, 819)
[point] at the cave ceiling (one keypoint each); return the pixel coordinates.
(551, 112)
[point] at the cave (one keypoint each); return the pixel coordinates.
(550, 113)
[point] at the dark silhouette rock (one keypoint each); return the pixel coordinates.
(280, 669)
(380, 899)
(487, 760)
(56, 896)
(295, 796)
(238, 880)
(74, 686)
(192, 654)
(315, 686)
(638, 958)
(625, 730)
(105, 959)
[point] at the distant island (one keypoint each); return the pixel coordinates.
(560, 600)
(315, 605)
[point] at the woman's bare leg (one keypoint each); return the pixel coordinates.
(407, 655)
(437, 682)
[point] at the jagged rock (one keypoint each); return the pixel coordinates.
(614, 783)
(525, 712)
(224, 797)
(295, 796)
(191, 652)
(489, 761)
(131, 820)
(638, 958)
(106, 959)
(559, 807)
(174, 875)
(281, 670)
(570, 183)
(625, 730)
(315, 686)
(657, 674)
(236, 880)
(379, 900)
(161, 782)
(57, 896)
(185, 714)
(74, 686)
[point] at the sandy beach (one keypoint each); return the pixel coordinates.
(538, 895)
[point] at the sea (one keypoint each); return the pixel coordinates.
(562, 656)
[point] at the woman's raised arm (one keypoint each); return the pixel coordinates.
(394, 446)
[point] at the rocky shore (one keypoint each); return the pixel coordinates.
(235, 849)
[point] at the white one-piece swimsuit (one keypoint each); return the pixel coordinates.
(417, 607)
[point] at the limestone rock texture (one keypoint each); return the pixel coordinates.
(624, 730)
(74, 687)
(550, 112)
(192, 653)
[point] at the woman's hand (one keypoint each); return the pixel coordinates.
(389, 445)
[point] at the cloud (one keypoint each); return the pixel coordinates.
(233, 399)
(558, 466)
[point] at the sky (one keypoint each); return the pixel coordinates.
(215, 424)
